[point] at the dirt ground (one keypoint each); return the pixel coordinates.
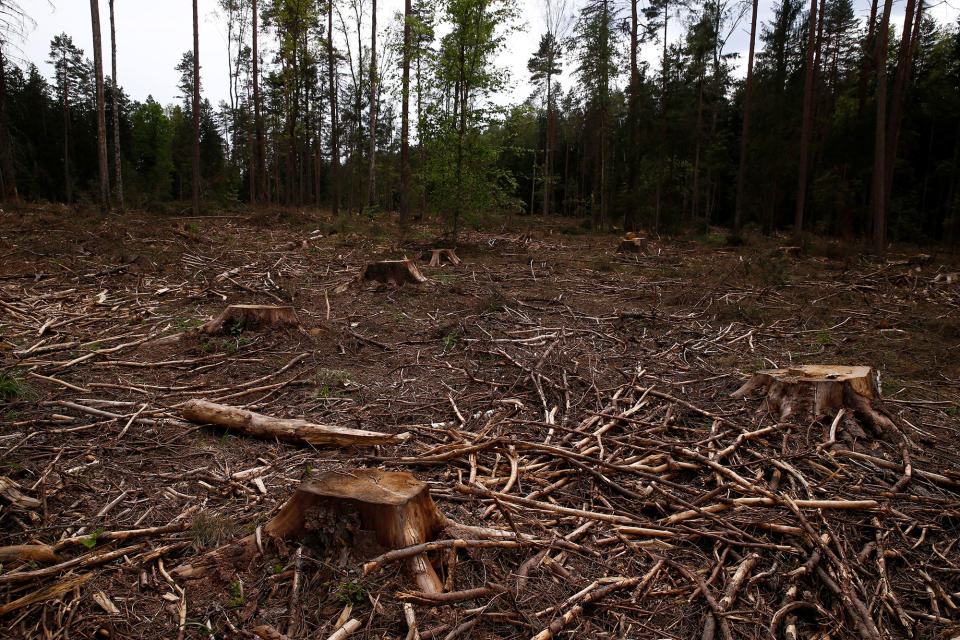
(589, 389)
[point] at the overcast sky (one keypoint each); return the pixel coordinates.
(153, 34)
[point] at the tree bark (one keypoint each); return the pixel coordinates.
(334, 130)
(880, 143)
(257, 116)
(807, 124)
(629, 214)
(372, 182)
(117, 162)
(869, 49)
(904, 69)
(103, 168)
(405, 118)
(8, 184)
(287, 430)
(748, 92)
(196, 111)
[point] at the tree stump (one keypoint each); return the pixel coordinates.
(632, 243)
(393, 272)
(437, 256)
(814, 391)
(396, 506)
(251, 316)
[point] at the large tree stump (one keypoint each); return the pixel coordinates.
(395, 506)
(815, 391)
(632, 243)
(251, 316)
(437, 256)
(288, 430)
(394, 272)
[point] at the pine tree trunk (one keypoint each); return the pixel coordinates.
(630, 212)
(880, 144)
(904, 69)
(261, 172)
(372, 181)
(807, 124)
(196, 111)
(334, 129)
(102, 166)
(8, 184)
(748, 92)
(869, 49)
(546, 144)
(405, 119)
(117, 161)
(663, 126)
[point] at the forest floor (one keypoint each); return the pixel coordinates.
(590, 389)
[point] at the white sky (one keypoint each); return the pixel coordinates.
(153, 34)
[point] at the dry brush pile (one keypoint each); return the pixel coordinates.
(568, 408)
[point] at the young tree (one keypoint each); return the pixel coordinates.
(104, 171)
(807, 122)
(405, 117)
(748, 92)
(69, 70)
(196, 110)
(543, 65)
(117, 170)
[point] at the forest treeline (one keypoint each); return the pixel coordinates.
(842, 126)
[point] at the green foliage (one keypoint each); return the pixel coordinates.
(91, 541)
(236, 593)
(350, 592)
(13, 386)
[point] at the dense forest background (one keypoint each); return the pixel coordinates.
(852, 126)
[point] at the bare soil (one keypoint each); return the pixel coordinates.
(602, 377)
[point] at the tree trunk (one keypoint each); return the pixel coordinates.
(869, 49)
(405, 119)
(547, 178)
(372, 181)
(196, 111)
(658, 205)
(102, 166)
(117, 169)
(261, 172)
(879, 159)
(748, 92)
(334, 130)
(8, 185)
(904, 69)
(629, 214)
(807, 124)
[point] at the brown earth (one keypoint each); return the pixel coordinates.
(520, 346)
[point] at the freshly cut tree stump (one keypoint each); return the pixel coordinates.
(250, 316)
(819, 390)
(632, 243)
(396, 506)
(288, 430)
(437, 256)
(394, 272)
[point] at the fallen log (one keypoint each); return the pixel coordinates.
(815, 391)
(288, 430)
(10, 491)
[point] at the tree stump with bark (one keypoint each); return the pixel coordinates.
(815, 391)
(251, 316)
(632, 243)
(392, 272)
(395, 506)
(438, 256)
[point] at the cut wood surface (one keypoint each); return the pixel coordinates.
(286, 429)
(815, 391)
(396, 506)
(438, 256)
(632, 243)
